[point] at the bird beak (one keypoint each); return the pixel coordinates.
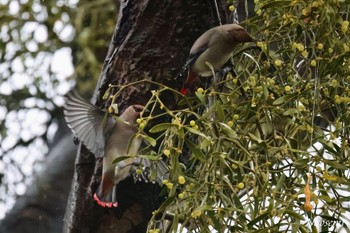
(145, 112)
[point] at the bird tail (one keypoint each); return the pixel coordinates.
(106, 194)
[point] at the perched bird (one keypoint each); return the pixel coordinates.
(214, 46)
(110, 138)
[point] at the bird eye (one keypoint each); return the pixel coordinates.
(137, 109)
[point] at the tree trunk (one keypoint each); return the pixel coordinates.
(41, 208)
(152, 40)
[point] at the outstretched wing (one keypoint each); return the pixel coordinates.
(85, 120)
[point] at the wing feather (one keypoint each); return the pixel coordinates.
(85, 120)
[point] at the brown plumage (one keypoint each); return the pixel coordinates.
(214, 46)
(111, 141)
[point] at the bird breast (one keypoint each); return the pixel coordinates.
(118, 141)
(217, 55)
(117, 145)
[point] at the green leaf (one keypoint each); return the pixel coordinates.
(335, 164)
(194, 131)
(264, 187)
(196, 152)
(175, 223)
(214, 219)
(239, 205)
(228, 130)
(106, 94)
(294, 214)
(219, 111)
(280, 100)
(166, 203)
(150, 157)
(275, 4)
(280, 182)
(291, 111)
(335, 178)
(205, 143)
(255, 138)
(342, 199)
(328, 145)
(327, 199)
(257, 219)
(201, 97)
(203, 208)
(149, 139)
(120, 158)
(161, 127)
(303, 229)
(283, 99)
(301, 163)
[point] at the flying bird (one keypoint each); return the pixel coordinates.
(215, 46)
(108, 137)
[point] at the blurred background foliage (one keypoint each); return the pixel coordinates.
(270, 151)
(44, 45)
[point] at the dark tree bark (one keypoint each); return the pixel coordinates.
(152, 40)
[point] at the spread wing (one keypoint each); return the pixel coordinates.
(85, 120)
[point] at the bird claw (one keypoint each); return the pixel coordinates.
(143, 176)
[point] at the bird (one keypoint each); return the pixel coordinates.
(215, 46)
(116, 139)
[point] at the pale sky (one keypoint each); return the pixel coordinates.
(31, 121)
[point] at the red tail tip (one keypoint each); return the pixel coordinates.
(105, 204)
